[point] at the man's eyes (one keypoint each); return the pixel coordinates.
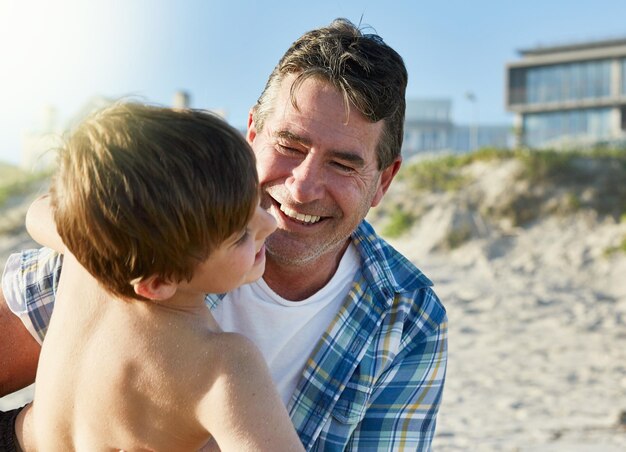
(296, 152)
(288, 150)
(341, 167)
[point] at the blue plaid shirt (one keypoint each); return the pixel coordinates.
(375, 379)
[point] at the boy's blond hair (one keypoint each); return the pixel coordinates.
(143, 191)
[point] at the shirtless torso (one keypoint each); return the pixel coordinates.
(132, 375)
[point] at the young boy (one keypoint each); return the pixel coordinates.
(154, 208)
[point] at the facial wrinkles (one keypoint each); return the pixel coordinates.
(310, 213)
(315, 166)
(279, 191)
(335, 238)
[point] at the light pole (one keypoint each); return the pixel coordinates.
(474, 127)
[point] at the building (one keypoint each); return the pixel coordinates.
(427, 125)
(429, 128)
(38, 144)
(569, 95)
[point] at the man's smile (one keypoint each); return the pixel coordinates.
(303, 218)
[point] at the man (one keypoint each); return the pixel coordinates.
(354, 336)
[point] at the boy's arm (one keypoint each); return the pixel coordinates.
(41, 226)
(19, 352)
(243, 410)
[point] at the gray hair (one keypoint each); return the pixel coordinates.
(369, 74)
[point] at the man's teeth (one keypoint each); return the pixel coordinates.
(298, 216)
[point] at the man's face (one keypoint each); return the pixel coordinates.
(318, 171)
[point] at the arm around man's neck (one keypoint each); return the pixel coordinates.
(40, 224)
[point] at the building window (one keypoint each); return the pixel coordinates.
(578, 126)
(562, 82)
(517, 86)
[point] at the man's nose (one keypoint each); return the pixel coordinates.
(306, 182)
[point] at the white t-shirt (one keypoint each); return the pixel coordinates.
(286, 331)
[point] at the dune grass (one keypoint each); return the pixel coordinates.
(15, 181)
(444, 173)
(557, 182)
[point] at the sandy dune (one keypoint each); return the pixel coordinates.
(537, 331)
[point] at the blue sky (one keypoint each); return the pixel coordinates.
(62, 52)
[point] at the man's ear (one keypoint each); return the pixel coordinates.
(154, 288)
(386, 176)
(251, 131)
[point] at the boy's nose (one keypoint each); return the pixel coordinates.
(267, 223)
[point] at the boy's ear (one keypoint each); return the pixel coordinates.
(154, 288)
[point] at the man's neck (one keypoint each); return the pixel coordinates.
(298, 282)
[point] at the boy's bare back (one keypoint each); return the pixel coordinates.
(166, 375)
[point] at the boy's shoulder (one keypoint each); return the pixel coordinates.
(215, 357)
(236, 362)
(234, 353)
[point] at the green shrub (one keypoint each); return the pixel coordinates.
(444, 173)
(572, 202)
(621, 248)
(539, 165)
(434, 175)
(398, 223)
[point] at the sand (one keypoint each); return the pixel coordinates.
(537, 325)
